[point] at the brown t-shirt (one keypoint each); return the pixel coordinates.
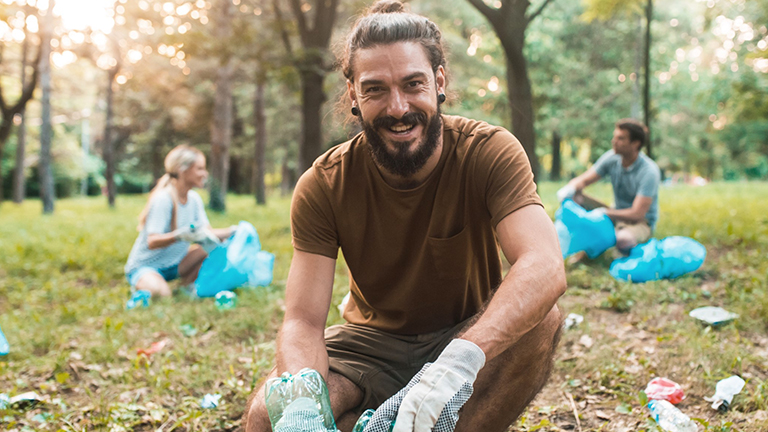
(421, 259)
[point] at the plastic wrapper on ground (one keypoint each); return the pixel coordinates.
(581, 230)
(669, 258)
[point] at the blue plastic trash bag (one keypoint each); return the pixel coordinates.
(660, 259)
(582, 230)
(236, 262)
(4, 347)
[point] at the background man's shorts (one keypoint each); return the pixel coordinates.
(381, 363)
(641, 231)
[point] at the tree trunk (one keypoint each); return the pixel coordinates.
(85, 144)
(312, 99)
(521, 102)
(554, 174)
(108, 150)
(260, 142)
(221, 127)
(46, 131)
(21, 133)
(638, 66)
(647, 93)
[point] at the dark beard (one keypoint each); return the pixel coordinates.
(403, 163)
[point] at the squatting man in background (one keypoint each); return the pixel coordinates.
(635, 178)
(419, 203)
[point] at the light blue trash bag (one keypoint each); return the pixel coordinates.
(582, 230)
(238, 261)
(4, 347)
(660, 259)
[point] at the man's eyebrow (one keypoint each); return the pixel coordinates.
(415, 75)
(371, 82)
(366, 82)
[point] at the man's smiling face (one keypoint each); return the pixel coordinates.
(396, 92)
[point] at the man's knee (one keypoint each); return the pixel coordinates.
(625, 240)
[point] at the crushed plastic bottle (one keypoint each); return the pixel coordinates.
(362, 422)
(299, 403)
(670, 418)
(4, 347)
(226, 300)
(725, 390)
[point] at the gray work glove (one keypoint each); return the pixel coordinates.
(432, 399)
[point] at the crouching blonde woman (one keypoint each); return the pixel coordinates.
(164, 249)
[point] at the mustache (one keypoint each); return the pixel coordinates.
(408, 119)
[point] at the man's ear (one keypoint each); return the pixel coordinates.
(440, 79)
(351, 92)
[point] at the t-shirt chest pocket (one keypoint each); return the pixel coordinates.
(452, 256)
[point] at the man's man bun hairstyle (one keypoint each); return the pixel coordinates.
(388, 22)
(636, 129)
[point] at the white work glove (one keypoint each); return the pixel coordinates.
(456, 366)
(565, 192)
(190, 235)
(600, 210)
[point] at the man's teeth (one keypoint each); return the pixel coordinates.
(401, 128)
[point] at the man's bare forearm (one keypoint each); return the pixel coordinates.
(301, 345)
(625, 215)
(522, 301)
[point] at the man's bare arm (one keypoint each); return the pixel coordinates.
(308, 292)
(530, 289)
(585, 179)
(634, 214)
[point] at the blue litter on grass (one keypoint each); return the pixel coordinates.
(5, 401)
(238, 261)
(4, 347)
(581, 230)
(669, 258)
(210, 401)
(139, 298)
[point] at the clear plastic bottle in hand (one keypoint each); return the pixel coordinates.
(299, 403)
(670, 418)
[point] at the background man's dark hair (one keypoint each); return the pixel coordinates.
(637, 130)
(387, 22)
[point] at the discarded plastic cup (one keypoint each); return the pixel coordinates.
(226, 300)
(139, 298)
(665, 389)
(725, 390)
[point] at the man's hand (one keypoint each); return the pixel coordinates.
(457, 365)
(566, 192)
(187, 234)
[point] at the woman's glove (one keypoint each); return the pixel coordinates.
(455, 368)
(188, 234)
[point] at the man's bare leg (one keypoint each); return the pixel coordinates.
(509, 382)
(345, 396)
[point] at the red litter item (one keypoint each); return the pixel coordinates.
(154, 348)
(665, 389)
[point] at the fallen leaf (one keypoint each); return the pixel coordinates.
(586, 341)
(601, 415)
(154, 348)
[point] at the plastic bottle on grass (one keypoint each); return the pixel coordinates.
(670, 418)
(299, 403)
(226, 300)
(4, 347)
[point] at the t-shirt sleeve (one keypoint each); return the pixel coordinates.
(506, 176)
(602, 165)
(159, 216)
(313, 227)
(649, 183)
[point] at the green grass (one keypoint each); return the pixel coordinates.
(62, 308)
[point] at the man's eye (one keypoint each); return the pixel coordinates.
(373, 89)
(414, 83)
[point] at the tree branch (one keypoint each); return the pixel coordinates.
(533, 16)
(29, 90)
(283, 31)
(301, 20)
(484, 9)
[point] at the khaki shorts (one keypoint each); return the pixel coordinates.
(641, 231)
(381, 363)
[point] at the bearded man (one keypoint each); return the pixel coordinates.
(419, 203)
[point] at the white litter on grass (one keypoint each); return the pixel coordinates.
(713, 315)
(572, 320)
